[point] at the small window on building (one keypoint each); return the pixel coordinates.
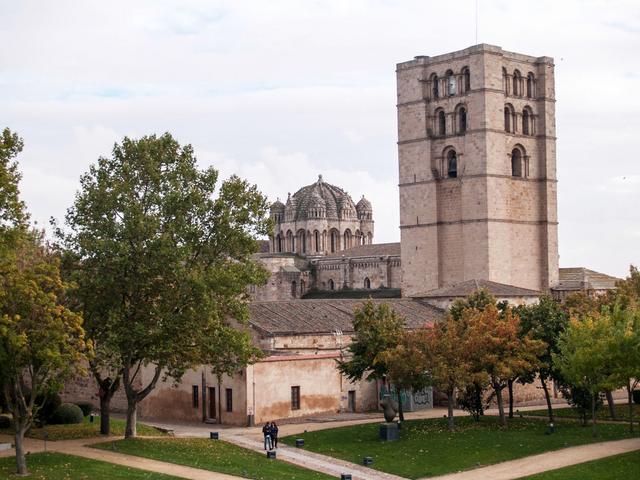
(294, 290)
(451, 83)
(303, 286)
(452, 164)
(530, 84)
(516, 163)
(516, 83)
(367, 283)
(229, 394)
(507, 119)
(442, 123)
(463, 119)
(436, 89)
(525, 122)
(295, 398)
(467, 79)
(332, 285)
(195, 396)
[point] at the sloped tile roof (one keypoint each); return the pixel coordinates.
(373, 250)
(463, 289)
(581, 278)
(326, 316)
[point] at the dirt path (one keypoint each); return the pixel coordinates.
(543, 462)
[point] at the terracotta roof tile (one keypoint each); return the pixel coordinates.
(463, 289)
(327, 316)
(581, 278)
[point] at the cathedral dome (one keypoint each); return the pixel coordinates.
(363, 205)
(321, 200)
(277, 206)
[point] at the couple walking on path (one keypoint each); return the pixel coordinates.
(270, 432)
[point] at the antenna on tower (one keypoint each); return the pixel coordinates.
(477, 21)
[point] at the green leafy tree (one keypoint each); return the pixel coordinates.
(544, 321)
(41, 341)
(448, 358)
(13, 216)
(167, 254)
(227, 350)
(500, 351)
(377, 329)
(584, 356)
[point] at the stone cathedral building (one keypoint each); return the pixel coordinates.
(478, 209)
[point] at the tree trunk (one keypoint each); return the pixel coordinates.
(220, 401)
(503, 418)
(132, 418)
(547, 397)
(510, 387)
(594, 431)
(105, 414)
(450, 400)
(630, 400)
(21, 459)
(611, 403)
(400, 411)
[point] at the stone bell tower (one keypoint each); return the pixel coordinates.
(477, 169)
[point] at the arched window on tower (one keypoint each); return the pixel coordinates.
(452, 164)
(516, 163)
(434, 85)
(507, 119)
(516, 83)
(527, 121)
(451, 83)
(442, 123)
(367, 283)
(466, 75)
(530, 85)
(505, 81)
(317, 240)
(332, 285)
(462, 120)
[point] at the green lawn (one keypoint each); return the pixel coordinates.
(625, 466)
(214, 455)
(85, 430)
(57, 466)
(427, 448)
(622, 412)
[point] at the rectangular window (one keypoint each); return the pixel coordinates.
(196, 397)
(295, 398)
(229, 393)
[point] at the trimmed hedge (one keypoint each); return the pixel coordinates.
(66, 414)
(86, 407)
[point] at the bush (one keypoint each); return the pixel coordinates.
(50, 403)
(66, 414)
(86, 407)
(5, 421)
(471, 400)
(636, 397)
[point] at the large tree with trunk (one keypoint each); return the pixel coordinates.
(499, 350)
(545, 321)
(377, 329)
(41, 341)
(167, 250)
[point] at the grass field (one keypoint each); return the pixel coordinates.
(85, 430)
(214, 455)
(57, 466)
(428, 448)
(622, 412)
(625, 466)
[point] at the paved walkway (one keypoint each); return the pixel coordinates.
(81, 448)
(543, 462)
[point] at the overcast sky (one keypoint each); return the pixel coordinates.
(280, 91)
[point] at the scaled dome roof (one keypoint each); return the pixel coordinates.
(320, 195)
(363, 205)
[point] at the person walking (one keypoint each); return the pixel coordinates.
(266, 431)
(274, 434)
